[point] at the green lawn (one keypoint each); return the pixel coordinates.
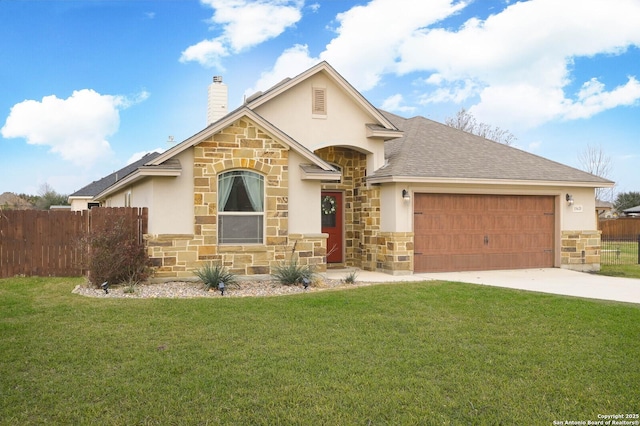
(399, 354)
(626, 271)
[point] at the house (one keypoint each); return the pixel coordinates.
(604, 209)
(311, 167)
(632, 211)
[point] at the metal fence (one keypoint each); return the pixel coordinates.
(620, 250)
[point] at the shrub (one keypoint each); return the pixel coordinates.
(350, 278)
(290, 273)
(212, 274)
(115, 255)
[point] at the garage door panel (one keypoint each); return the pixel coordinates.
(479, 232)
(471, 262)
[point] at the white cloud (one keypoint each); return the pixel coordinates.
(516, 65)
(369, 37)
(394, 103)
(521, 57)
(592, 98)
(457, 92)
(76, 128)
(206, 52)
(292, 62)
(244, 24)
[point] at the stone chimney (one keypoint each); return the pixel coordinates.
(218, 97)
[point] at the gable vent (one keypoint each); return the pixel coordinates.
(319, 101)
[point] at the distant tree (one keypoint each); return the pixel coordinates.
(31, 199)
(626, 200)
(465, 121)
(47, 197)
(594, 160)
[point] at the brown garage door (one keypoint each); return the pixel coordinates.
(482, 232)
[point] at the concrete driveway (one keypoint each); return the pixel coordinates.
(552, 280)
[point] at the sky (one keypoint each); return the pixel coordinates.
(87, 86)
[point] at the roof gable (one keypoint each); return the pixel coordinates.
(285, 85)
(231, 118)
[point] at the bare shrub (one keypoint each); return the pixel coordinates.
(115, 255)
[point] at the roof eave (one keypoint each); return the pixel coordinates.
(158, 171)
(467, 181)
(386, 134)
(320, 175)
(79, 197)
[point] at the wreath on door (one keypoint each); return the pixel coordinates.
(328, 205)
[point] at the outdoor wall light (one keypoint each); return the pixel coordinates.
(305, 282)
(405, 195)
(221, 288)
(569, 199)
(105, 287)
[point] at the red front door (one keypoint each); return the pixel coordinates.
(331, 205)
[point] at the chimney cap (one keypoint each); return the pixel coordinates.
(217, 79)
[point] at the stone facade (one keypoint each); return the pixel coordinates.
(395, 253)
(580, 250)
(241, 146)
(361, 206)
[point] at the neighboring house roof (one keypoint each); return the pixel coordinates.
(603, 205)
(96, 187)
(632, 210)
(432, 152)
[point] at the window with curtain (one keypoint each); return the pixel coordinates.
(240, 207)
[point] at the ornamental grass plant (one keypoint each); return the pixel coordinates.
(291, 272)
(212, 274)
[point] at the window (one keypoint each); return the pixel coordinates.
(240, 208)
(319, 101)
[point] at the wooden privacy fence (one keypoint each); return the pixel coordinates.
(49, 242)
(622, 227)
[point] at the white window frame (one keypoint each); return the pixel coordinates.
(223, 240)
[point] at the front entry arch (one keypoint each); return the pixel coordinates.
(332, 224)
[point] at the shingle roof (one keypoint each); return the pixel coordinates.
(430, 149)
(96, 187)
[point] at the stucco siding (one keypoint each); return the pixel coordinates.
(343, 125)
(172, 200)
(304, 199)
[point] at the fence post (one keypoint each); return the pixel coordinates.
(638, 249)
